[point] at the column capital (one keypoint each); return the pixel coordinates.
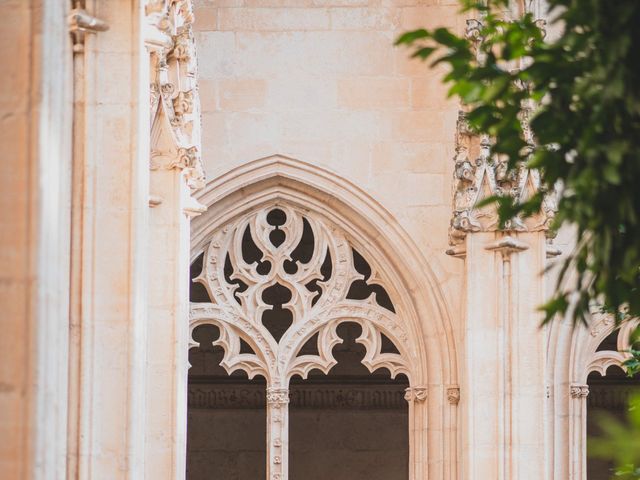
(453, 395)
(277, 396)
(577, 390)
(416, 394)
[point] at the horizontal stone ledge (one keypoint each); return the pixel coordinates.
(611, 397)
(203, 396)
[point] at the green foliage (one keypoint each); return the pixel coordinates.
(586, 88)
(632, 365)
(620, 440)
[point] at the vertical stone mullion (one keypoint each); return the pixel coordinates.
(578, 430)
(277, 433)
(417, 399)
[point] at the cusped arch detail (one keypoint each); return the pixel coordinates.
(428, 353)
(585, 357)
(572, 355)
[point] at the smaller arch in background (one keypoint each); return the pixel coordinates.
(600, 360)
(574, 352)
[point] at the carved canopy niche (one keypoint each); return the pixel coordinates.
(282, 261)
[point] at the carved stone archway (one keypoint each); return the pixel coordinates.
(343, 219)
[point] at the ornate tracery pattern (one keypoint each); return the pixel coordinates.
(278, 277)
(317, 302)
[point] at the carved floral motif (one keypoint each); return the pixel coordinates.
(478, 175)
(277, 396)
(416, 394)
(174, 102)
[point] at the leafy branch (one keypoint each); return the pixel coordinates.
(586, 126)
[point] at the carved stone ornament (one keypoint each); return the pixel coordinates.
(416, 394)
(603, 324)
(579, 391)
(453, 395)
(255, 256)
(277, 396)
(280, 279)
(174, 101)
(478, 175)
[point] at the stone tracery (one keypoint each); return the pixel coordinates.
(284, 262)
(317, 302)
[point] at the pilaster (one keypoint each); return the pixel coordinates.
(503, 379)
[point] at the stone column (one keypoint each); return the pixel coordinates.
(503, 386)
(417, 399)
(578, 431)
(277, 433)
(453, 398)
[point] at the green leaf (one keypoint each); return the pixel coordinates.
(408, 38)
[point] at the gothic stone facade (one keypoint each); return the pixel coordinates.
(300, 107)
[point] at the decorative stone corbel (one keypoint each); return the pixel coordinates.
(579, 390)
(82, 22)
(416, 394)
(453, 395)
(507, 245)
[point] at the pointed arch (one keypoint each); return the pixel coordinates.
(376, 234)
(572, 354)
(371, 228)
